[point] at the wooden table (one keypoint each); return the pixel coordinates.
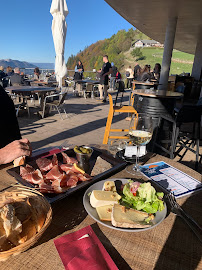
(170, 245)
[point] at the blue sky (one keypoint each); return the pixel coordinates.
(26, 28)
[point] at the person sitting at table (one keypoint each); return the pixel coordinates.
(78, 75)
(156, 72)
(17, 79)
(144, 74)
(8, 121)
(137, 70)
(2, 73)
(9, 71)
(15, 150)
(37, 74)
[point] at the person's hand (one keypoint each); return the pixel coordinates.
(14, 150)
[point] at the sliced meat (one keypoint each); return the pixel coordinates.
(44, 164)
(26, 170)
(55, 173)
(46, 188)
(66, 167)
(61, 182)
(35, 178)
(68, 160)
(72, 182)
(84, 177)
(54, 160)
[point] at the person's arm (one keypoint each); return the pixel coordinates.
(14, 150)
(76, 69)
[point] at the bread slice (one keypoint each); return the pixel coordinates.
(19, 161)
(104, 212)
(2, 233)
(100, 166)
(128, 218)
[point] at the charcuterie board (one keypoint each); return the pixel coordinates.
(117, 165)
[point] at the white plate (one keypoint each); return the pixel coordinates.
(159, 216)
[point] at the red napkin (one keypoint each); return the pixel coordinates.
(82, 250)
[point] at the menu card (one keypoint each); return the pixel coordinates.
(171, 179)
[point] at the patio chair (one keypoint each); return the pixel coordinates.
(188, 140)
(57, 104)
(120, 109)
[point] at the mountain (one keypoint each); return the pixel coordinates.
(15, 63)
(118, 48)
(45, 65)
(114, 47)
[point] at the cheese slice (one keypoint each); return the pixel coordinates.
(128, 218)
(101, 198)
(109, 186)
(104, 212)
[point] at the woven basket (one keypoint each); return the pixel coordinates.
(20, 193)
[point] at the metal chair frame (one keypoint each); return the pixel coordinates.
(58, 106)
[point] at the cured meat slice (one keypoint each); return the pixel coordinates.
(84, 177)
(61, 182)
(72, 182)
(35, 177)
(54, 160)
(55, 173)
(68, 160)
(66, 167)
(46, 188)
(26, 170)
(44, 164)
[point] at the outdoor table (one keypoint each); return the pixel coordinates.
(89, 82)
(170, 245)
(144, 85)
(41, 91)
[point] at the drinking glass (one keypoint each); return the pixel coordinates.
(116, 145)
(140, 132)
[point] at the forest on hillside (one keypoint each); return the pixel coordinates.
(114, 47)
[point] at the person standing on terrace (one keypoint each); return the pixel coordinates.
(78, 75)
(129, 76)
(104, 77)
(113, 76)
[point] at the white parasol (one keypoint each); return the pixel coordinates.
(59, 12)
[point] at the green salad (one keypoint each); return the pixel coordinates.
(142, 197)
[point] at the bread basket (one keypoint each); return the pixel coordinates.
(18, 193)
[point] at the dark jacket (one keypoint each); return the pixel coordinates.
(78, 75)
(8, 122)
(17, 79)
(2, 74)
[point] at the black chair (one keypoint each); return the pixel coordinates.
(120, 90)
(187, 140)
